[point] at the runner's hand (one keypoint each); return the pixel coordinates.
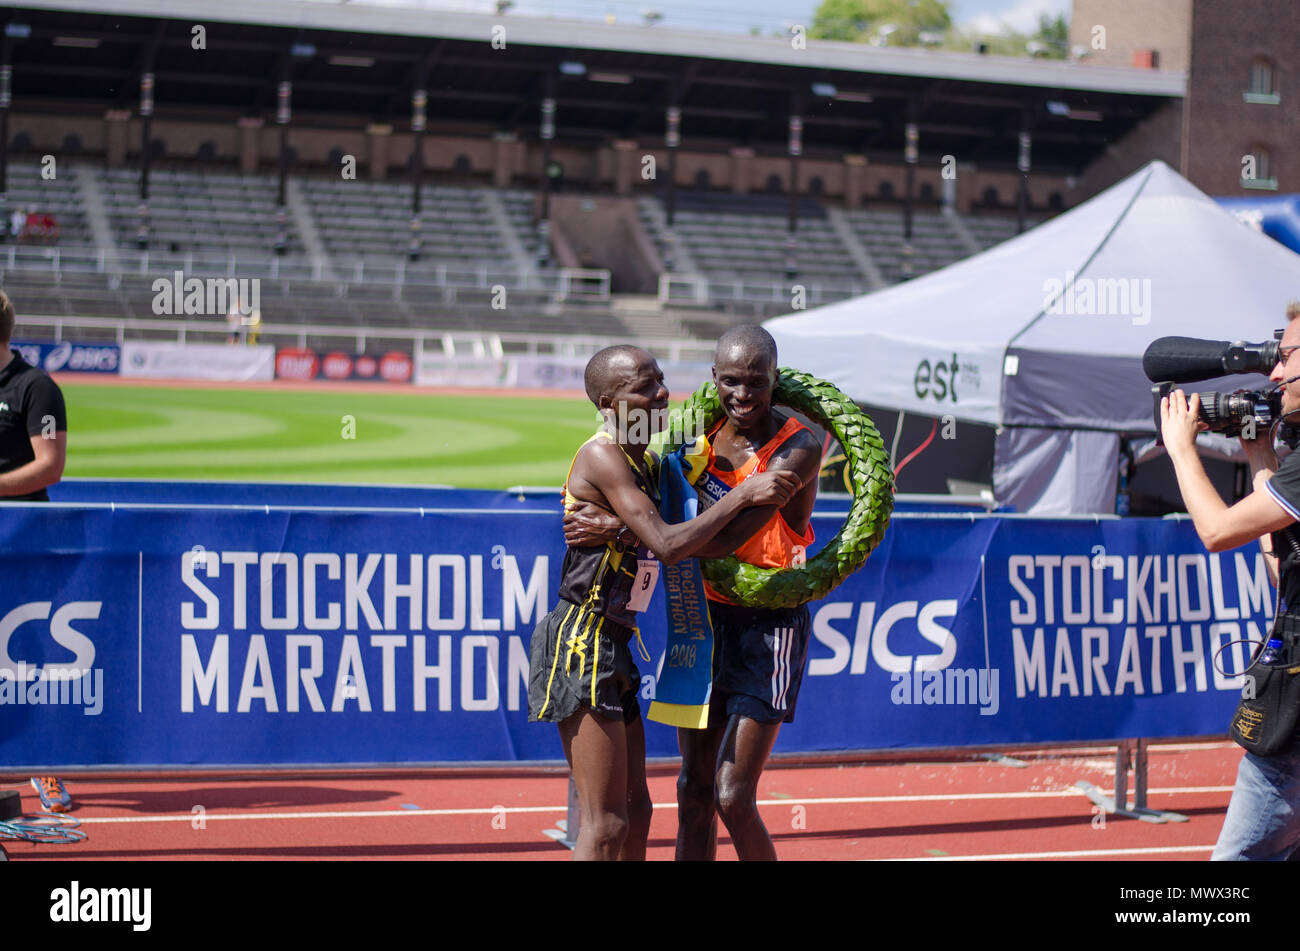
(772, 488)
(587, 525)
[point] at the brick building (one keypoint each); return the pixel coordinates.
(1235, 130)
(1150, 34)
(1243, 102)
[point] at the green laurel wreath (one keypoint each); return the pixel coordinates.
(867, 464)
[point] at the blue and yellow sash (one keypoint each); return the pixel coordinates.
(686, 679)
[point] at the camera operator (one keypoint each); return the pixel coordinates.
(1263, 820)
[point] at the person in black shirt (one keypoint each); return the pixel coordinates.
(33, 422)
(33, 449)
(1263, 820)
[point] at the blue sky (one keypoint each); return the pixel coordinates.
(741, 15)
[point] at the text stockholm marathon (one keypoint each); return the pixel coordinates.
(260, 605)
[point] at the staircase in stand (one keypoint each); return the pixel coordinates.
(643, 315)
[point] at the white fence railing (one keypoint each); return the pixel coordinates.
(458, 343)
(564, 283)
(699, 290)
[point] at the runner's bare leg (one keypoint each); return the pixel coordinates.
(596, 749)
(697, 818)
(745, 749)
(639, 807)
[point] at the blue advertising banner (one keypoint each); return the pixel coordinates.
(71, 357)
(150, 636)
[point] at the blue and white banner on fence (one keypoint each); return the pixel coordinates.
(227, 636)
(71, 357)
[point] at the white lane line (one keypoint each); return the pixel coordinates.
(793, 801)
(369, 814)
(1073, 854)
(960, 797)
(1189, 790)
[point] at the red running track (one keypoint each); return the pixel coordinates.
(937, 810)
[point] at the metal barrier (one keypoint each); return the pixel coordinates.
(433, 341)
(564, 283)
(699, 290)
(585, 283)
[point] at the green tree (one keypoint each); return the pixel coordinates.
(1050, 40)
(1054, 33)
(863, 20)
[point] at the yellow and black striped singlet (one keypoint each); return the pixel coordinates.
(599, 579)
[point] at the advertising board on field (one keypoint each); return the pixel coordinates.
(139, 635)
(198, 361)
(297, 363)
(540, 372)
(549, 373)
(566, 373)
(66, 357)
(435, 369)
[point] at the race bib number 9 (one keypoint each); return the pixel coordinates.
(647, 576)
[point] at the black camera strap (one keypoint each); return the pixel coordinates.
(1266, 719)
(1287, 548)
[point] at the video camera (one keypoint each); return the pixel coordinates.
(1173, 360)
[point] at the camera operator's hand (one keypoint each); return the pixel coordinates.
(1180, 422)
(1259, 452)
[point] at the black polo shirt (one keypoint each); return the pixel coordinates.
(27, 398)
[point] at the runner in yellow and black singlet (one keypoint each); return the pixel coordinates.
(581, 673)
(585, 657)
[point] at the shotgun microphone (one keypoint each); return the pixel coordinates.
(1188, 359)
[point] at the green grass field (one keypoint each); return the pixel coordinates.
(193, 432)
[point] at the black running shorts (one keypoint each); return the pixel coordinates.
(758, 662)
(578, 659)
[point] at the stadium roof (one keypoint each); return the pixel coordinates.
(359, 60)
(586, 34)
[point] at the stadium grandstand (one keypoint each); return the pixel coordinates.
(451, 173)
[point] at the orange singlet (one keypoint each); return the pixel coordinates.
(773, 545)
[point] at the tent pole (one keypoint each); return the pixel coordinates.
(910, 137)
(1022, 194)
(898, 433)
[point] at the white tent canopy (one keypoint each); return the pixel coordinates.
(1047, 331)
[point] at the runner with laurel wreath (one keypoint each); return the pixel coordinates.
(581, 672)
(761, 653)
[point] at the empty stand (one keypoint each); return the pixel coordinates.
(197, 211)
(475, 242)
(934, 243)
(743, 239)
(370, 221)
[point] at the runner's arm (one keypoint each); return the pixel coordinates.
(800, 456)
(601, 466)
